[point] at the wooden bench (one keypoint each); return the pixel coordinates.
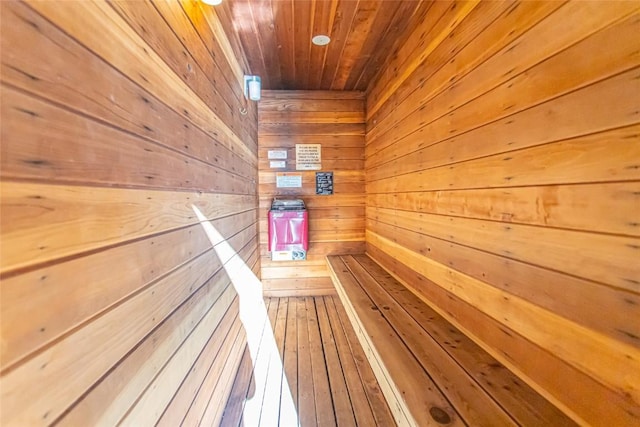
(429, 371)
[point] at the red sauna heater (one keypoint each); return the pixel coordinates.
(288, 230)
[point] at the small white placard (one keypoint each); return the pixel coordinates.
(277, 154)
(308, 157)
(295, 255)
(288, 181)
(282, 256)
(277, 164)
(308, 167)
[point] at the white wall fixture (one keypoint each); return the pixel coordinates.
(252, 86)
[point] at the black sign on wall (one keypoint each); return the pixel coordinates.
(324, 183)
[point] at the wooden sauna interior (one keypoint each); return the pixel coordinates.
(486, 213)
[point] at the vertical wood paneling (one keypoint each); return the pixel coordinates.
(336, 223)
(119, 121)
(489, 155)
(276, 36)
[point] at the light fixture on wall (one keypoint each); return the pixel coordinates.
(252, 86)
(212, 2)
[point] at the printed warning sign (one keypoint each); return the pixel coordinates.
(308, 157)
(324, 183)
(287, 180)
(274, 164)
(277, 154)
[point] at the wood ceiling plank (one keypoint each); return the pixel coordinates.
(265, 34)
(240, 20)
(358, 33)
(303, 19)
(325, 13)
(282, 12)
(339, 33)
(276, 38)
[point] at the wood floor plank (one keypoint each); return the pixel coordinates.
(291, 353)
(285, 405)
(341, 400)
(318, 363)
(273, 388)
(306, 403)
(325, 415)
(254, 405)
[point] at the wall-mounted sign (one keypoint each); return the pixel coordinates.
(324, 183)
(288, 180)
(277, 154)
(273, 164)
(308, 157)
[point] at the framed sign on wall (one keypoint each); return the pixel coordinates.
(308, 157)
(324, 183)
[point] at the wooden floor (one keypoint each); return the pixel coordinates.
(327, 373)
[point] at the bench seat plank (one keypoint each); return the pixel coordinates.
(416, 387)
(473, 403)
(480, 390)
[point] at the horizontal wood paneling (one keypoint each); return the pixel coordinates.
(502, 188)
(106, 97)
(86, 151)
(121, 124)
(530, 205)
(550, 289)
(64, 218)
(336, 223)
(312, 287)
(327, 141)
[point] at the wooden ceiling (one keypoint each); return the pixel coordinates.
(276, 38)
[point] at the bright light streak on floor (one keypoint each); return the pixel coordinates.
(260, 338)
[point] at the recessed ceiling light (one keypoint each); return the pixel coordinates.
(321, 40)
(212, 2)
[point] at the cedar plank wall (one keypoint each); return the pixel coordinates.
(503, 186)
(334, 119)
(116, 120)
